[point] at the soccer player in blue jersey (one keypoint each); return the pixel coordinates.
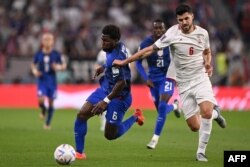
(113, 95)
(161, 88)
(45, 64)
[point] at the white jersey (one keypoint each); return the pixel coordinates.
(187, 51)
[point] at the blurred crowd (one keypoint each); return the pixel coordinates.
(77, 26)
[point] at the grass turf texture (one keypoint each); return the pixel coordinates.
(24, 143)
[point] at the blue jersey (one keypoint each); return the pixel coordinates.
(158, 62)
(44, 64)
(114, 74)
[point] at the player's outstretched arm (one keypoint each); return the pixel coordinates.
(207, 61)
(138, 55)
(59, 67)
(34, 70)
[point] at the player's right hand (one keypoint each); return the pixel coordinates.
(209, 69)
(99, 108)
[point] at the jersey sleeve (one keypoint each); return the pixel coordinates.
(59, 58)
(139, 65)
(141, 69)
(35, 59)
(207, 43)
(165, 39)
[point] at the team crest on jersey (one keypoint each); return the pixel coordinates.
(46, 59)
(160, 53)
(115, 71)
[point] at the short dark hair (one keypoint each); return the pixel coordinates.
(112, 31)
(183, 8)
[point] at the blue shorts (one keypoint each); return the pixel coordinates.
(162, 87)
(47, 91)
(115, 109)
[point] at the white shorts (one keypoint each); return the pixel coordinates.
(195, 92)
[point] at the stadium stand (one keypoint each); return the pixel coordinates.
(77, 25)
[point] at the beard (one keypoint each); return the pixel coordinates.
(186, 28)
(107, 49)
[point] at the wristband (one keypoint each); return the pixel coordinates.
(106, 100)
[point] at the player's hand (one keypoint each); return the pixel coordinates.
(209, 69)
(119, 63)
(36, 73)
(99, 108)
(98, 71)
(150, 84)
(55, 67)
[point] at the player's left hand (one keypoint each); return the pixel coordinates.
(209, 69)
(98, 71)
(99, 108)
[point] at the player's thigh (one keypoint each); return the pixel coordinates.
(116, 110)
(154, 92)
(205, 98)
(166, 89)
(94, 98)
(204, 92)
(41, 92)
(85, 111)
(189, 104)
(51, 93)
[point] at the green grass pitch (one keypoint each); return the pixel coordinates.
(23, 142)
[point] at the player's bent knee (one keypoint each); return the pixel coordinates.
(194, 128)
(110, 136)
(81, 117)
(207, 114)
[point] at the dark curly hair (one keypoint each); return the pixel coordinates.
(112, 31)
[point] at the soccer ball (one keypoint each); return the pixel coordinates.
(64, 154)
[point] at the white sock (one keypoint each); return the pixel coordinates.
(215, 114)
(103, 121)
(155, 137)
(204, 134)
(175, 106)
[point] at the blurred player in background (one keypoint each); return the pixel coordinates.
(45, 64)
(161, 88)
(113, 95)
(190, 49)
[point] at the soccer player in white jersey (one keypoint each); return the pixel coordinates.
(190, 49)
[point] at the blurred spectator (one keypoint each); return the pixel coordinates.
(76, 23)
(221, 68)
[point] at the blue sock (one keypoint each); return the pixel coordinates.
(50, 115)
(80, 130)
(125, 126)
(163, 110)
